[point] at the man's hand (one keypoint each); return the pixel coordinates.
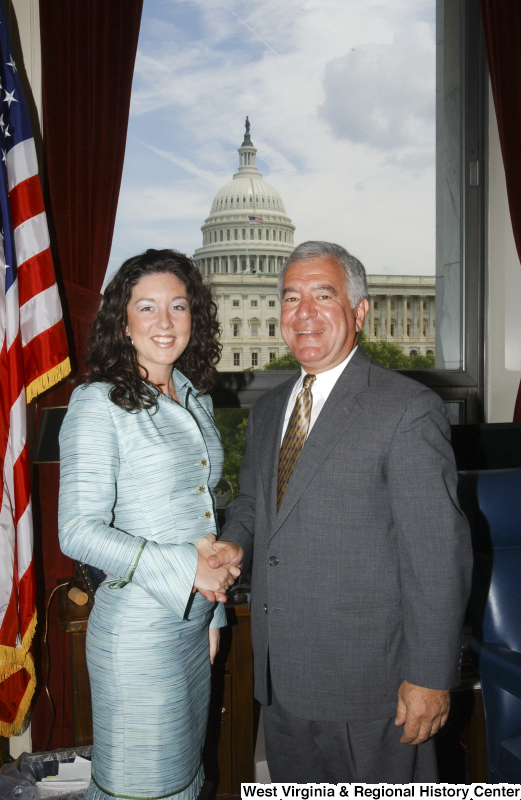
(424, 712)
(211, 581)
(227, 553)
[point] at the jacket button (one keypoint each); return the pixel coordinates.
(201, 489)
(265, 608)
(203, 462)
(208, 515)
(273, 561)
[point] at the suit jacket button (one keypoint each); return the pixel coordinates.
(203, 462)
(273, 561)
(265, 608)
(201, 489)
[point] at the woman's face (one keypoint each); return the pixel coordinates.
(159, 322)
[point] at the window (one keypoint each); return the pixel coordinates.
(236, 359)
(244, 233)
(271, 303)
(376, 305)
(425, 329)
(228, 234)
(235, 328)
(215, 236)
(273, 356)
(236, 234)
(392, 329)
(267, 234)
(255, 359)
(235, 303)
(251, 233)
(243, 262)
(255, 329)
(271, 329)
(376, 330)
(408, 329)
(408, 304)
(221, 235)
(254, 303)
(280, 236)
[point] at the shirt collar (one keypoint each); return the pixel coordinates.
(325, 381)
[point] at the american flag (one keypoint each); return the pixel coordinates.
(33, 356)
(255, 220)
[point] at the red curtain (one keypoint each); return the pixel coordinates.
(88, 54)
(502, 28)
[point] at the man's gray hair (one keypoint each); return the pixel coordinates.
(354, 271)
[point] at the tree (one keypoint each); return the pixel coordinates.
(231, 423)
(392, 356)
(285, 362)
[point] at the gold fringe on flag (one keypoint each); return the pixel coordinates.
(15, 656)
(13, 659)
(48, 379)
(12, 728)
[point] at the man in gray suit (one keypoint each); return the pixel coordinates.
(361, 554)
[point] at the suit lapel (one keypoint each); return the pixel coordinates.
(338, 414)
(270, 436)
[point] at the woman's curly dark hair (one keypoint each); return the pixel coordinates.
(113, 359)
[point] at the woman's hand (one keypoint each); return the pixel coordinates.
(214, 635)
(211, 579)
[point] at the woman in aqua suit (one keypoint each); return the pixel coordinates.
(140, 455)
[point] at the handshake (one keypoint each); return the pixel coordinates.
(218, 565)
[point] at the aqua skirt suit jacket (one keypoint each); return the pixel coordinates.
(135, 494)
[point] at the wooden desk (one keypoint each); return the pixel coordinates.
(228, 751)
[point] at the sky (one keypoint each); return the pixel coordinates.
(341, 99)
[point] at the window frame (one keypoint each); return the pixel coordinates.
(464, 386)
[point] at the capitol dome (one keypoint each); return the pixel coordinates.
(248, 229)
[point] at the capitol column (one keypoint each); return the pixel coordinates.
(371, 316)
(388, 318)
(405, 299)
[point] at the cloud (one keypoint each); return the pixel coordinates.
(200, 71)
(383, 95)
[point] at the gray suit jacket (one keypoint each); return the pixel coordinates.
(361, 579)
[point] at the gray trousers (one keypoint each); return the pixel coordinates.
(307, 751)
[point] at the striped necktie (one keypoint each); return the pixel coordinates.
(295, 436)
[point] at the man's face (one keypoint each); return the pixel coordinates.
(317, 321)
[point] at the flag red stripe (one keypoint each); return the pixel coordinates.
(9, 629)
(4, 411)
(15, 381)
(45, 352)
(22, 491)
(26, 200)
(12, 690)
(35, 275)
(27, 598)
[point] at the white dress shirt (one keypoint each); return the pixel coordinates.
(320, 390)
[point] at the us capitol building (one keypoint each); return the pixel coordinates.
(246, 239)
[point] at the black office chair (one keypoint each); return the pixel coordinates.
(491, 500)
